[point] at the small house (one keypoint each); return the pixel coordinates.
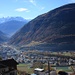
(8, 67)
(38, 71)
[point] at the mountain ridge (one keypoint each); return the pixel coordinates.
(6, 19)
(56, 27)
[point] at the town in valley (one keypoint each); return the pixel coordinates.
(38, 59)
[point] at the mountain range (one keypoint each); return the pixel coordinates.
(6, 19)
(54, 30)
(10, 25)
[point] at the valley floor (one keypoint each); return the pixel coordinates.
(31, 59)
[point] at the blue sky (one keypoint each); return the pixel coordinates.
(29, 9)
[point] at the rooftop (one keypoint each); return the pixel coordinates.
(38, 69)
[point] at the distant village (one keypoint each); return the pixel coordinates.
(33, 57)
(8, 52)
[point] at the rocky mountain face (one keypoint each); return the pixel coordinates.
(56, 29)
(10, 25)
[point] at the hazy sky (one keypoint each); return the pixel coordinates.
(29, 8)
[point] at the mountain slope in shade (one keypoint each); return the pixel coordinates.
(3, 37)
(55, 28)
(11, 27)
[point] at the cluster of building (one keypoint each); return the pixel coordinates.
(9, 66)
(38, 71)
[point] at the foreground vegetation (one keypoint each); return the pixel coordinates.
(28, 69)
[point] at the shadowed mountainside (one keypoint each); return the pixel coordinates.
(10, 25)
(3, 37)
